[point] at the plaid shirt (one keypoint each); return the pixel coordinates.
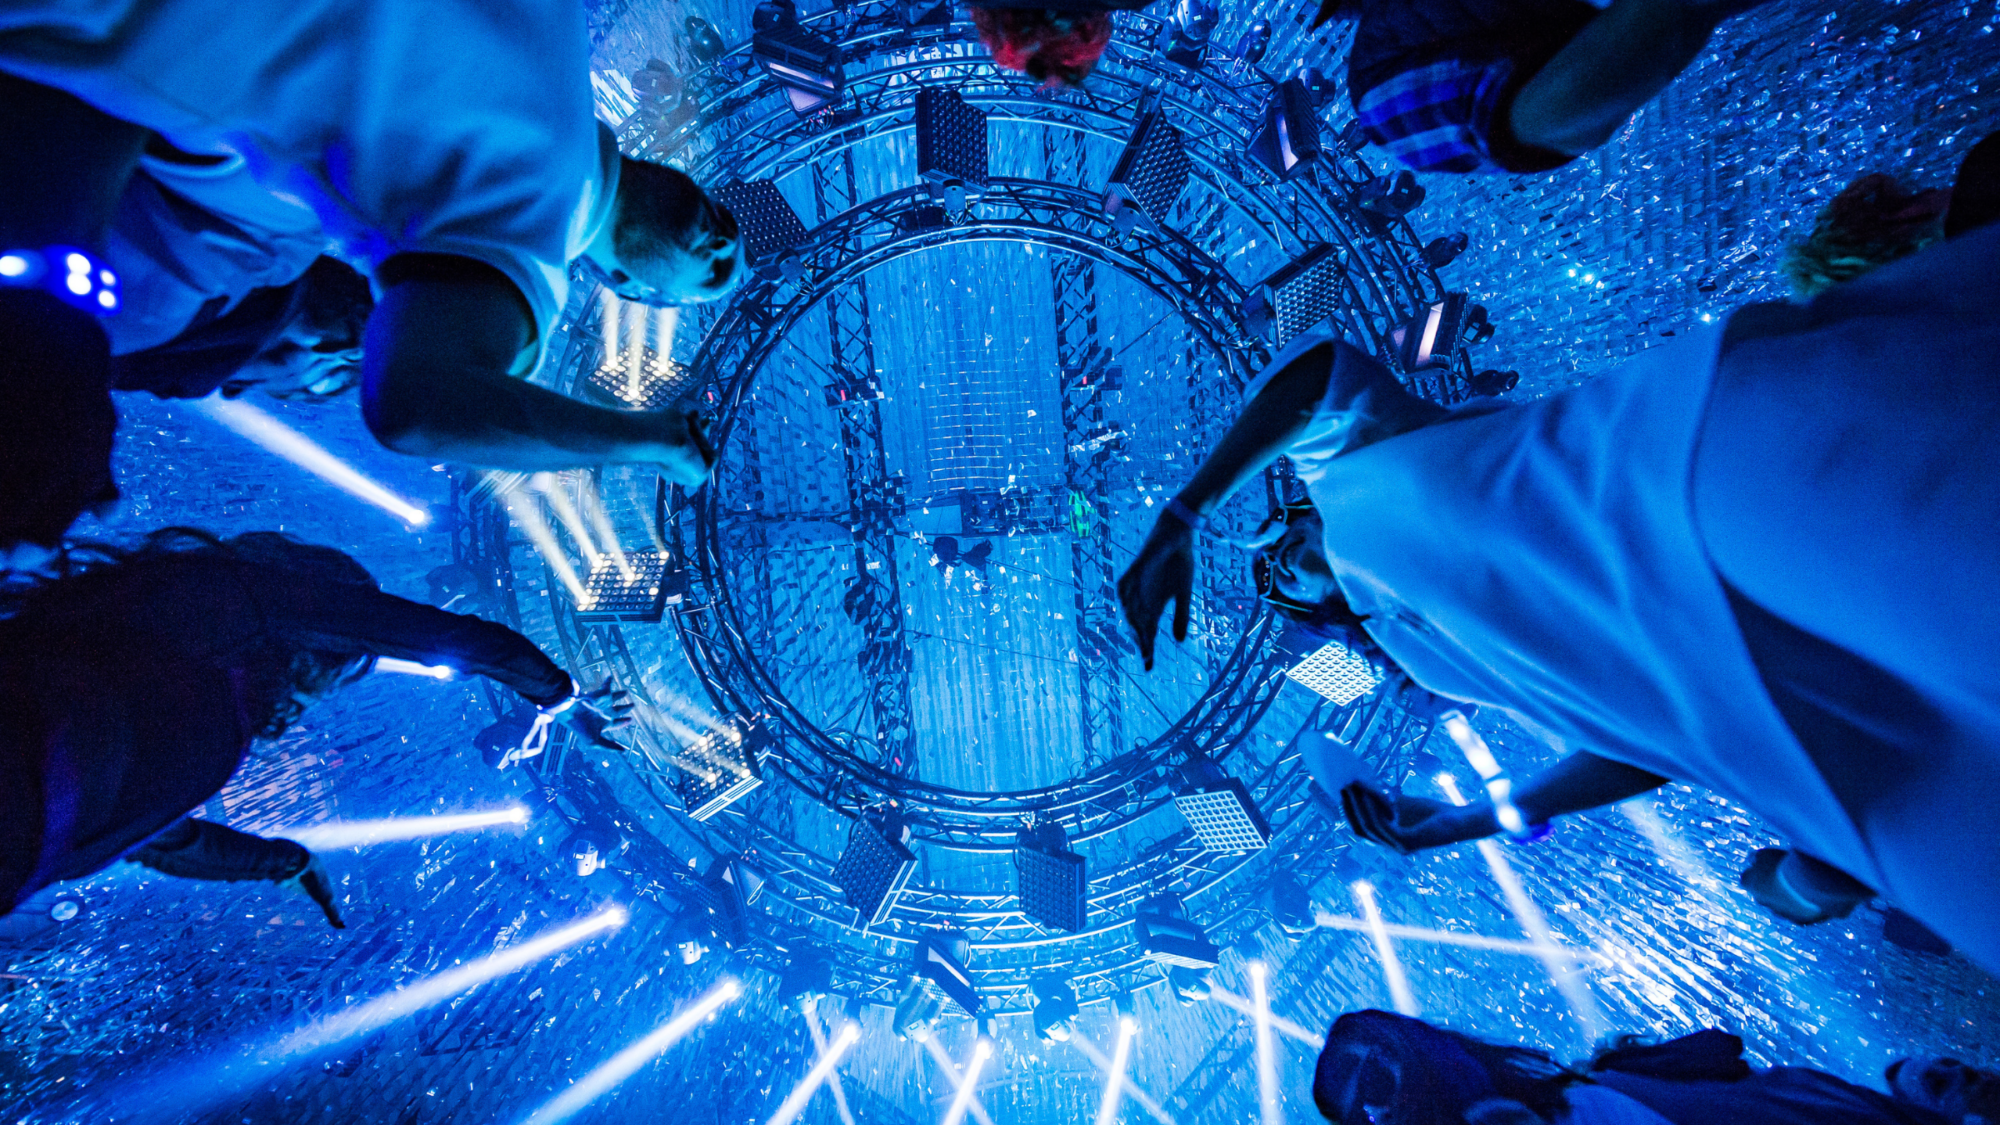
(1438, 118)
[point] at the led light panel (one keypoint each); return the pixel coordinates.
(1053, 884)
(655, 386)
(1224, 818)
(609, 594)
(874, 869)
(715, 771)
(1152, 170)
(1338, 673)
(767, 222)
(951, 140)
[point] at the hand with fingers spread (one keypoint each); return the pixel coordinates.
(313, 880)
(597, 714)
(1410, 824)
(1163, 572)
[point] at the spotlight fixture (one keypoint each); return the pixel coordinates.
(924, 13)
(941, 959)
(1492, 383)
(718, 768)
(1336, 672)
(1051, 880)
(1291, 905)
(919, 219)
(1301, 294)
(1427, 339)
(704, 42)
(1440, 252)
(1055, 1009)
(769, 225)
(1479, 326)
(1288, 138)
(1167, 935)
(728, 889)
(1192, 26)
(875, 866)
(951, 147)
(807, 976)
(917, 1010)
(805, 66)
(1151, 172)
(1250, 49)
(1219, 810)
(1386, 198)
(1190, 986)
(592, 849)
(636, 592)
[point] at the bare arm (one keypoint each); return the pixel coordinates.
(1577, 783)
(436, 384)
(1332, 377)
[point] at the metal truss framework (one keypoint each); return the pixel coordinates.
(744, 130)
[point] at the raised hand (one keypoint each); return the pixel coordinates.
(1163, 572)
(597, 714)
(1408, 824)
(313, 880)
(684, 452)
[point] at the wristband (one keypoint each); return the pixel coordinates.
(1185, 514)
(71, 275)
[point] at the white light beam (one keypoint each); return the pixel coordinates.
(795, 1102)
(1392, 965)
(981, 1051)
(1103, 1061)
(819, 1045)
(1267, 1058)
(1114, 1077)
(399, 667)
(627, 1062)
(276, 437)
(951, 1071)
(360, 833)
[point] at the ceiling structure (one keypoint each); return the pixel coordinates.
(1022, 376)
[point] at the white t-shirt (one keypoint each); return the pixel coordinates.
(443, 126)
(186, 235)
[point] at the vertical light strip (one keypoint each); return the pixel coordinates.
(527, 515)
(1392, 966)
(627, 1062)
(635, 356)
(551, 488)
(1560, 964)
(1114, 1078)
(1267, 1058)
(607, 306)
(795, 1102)
(981, 1051)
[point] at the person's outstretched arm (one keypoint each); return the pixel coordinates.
(200, 849)
(436, 383)
(1575, 784)
(1328, 380)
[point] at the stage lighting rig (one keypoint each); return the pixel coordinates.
(1055, 1009)
(1493, 383)
(1168, 936)
(769, 225)
(1386, 198)
(1427, 339)
(728, 889)
(807, 976)
(1052, 882)
(1441, 251)
(654, 385)
(941, 959)
(639, 591)
(806, 66)
(1301, 294)
(875, 866)
(924, 13)
(951, 147)
(1189, 986)
(1291, 905)
(1288, 138)
(1250, 49)
(719, 768)
(1151, 172)
(1219, 810)
(854, 391)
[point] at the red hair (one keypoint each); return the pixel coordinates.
(1053, 47)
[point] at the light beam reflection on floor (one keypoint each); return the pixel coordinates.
(627, 1062)
(275, 437)
(795, 1102)
(360, 833)
(1392, 965)
(1562, 968)
(190, 1088)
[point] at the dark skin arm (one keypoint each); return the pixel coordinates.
(436, 384)
(1575, 784)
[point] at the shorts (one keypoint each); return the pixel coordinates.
(1449, 116)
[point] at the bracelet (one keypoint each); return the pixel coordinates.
(65, 272)
(1195, 520)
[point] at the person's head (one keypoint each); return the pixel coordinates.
(1957, 1092)
(669, 243)
(1871, 223)
(317, 353)
(1290, 568)
(1053, 46)
(1378, 1068)
(89, 605)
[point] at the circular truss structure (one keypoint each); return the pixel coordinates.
(746, 130)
